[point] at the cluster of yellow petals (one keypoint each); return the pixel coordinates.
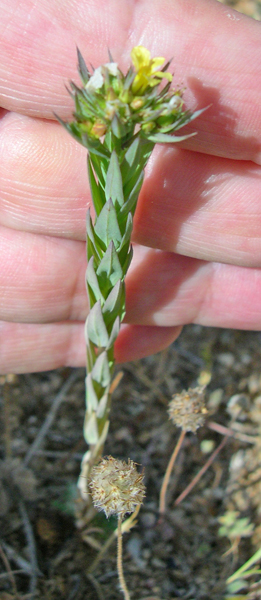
(147, 74)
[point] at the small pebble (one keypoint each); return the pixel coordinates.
(148, 519)
(226, 359)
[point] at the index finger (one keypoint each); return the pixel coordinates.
(216, 57)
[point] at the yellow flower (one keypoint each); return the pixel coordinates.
(146, 68)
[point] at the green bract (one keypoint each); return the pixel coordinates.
(118, 118)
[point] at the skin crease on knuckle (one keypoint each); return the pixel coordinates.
(201, 229)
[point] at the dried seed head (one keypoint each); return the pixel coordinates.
(116, 486)
(187, 410)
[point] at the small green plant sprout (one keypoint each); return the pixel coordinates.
(188, 411)
(118, 118)
(117, 488)
(234, 528)
(238, 581)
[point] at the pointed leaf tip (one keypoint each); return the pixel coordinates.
(110, 55)
(82, 68)
(113, 186)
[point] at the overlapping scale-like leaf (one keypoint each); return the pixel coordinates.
(119, 123)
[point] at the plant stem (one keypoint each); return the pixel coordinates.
(197, 477)
(165, 483)
(118, 118)
(123, 585)
(125, 527)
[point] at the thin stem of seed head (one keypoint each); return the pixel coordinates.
(167, 475)
(123, 585)
(126, 526)
(197, 477)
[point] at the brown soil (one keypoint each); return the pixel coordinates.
(42, 517)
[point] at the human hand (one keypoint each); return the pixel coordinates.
(198, 214)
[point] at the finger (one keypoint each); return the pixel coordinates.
(198, 205)
(166, 289)
(43, 280)
(137, 341)
(30, 348)
(201, 206)
(32, 80)
(207, 62)
(43, 178)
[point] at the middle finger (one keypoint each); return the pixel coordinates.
(42, 279)
(194, 204)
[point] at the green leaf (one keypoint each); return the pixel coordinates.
(95, 327)
(130, 184)
(91, 251)
(82, 68)
(130, 204)
(100, 167)
(130, 174)
(164, 138)
(108, 141)
(131, 160)
(103, 407)
(92, 283)
(117, 127)
(90, 353)
(129, 78)
(114, 304)
(91, 144)
(76, 91)
(237, 586)
(197, 113)
(153, 115)
(98, 195)
(92, 247)
(236, 597)
(71, 128)
(101, 370)
(91, 105)
(127, 261)
(94, 146)
(251, 561)
(127, 234)
(106, 226)
(124, 247)
(114, 333)
(109, 270)
(91, 397)
(187, 117)
(113, 186)
(132, 152)
(90, 428)
(146, 150)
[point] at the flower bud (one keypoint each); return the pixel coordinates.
(148, 127)
(110, 95)
(99, 129)
(137, 103)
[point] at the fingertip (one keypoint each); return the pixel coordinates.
(138, 341)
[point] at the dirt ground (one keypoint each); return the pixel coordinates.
(42, 518)
(47, 548)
